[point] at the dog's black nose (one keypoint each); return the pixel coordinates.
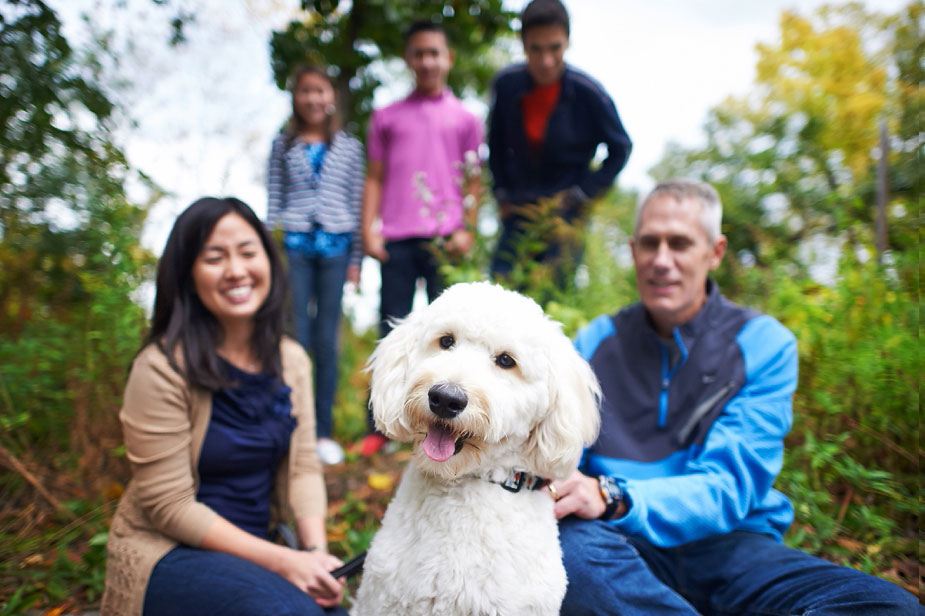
(447, 400)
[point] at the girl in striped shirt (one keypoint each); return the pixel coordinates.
(315, 184)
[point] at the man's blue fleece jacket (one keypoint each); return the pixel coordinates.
(694, 429)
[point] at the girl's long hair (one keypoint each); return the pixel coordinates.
(181, 319)
(296, 123)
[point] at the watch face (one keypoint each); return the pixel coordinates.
(607, 489)
(611, 493)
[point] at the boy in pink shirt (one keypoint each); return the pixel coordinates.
(417, 149)
(414, 194)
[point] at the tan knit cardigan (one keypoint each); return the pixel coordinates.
(164, 421)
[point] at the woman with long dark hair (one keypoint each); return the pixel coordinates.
(315, 185)
(219, 429)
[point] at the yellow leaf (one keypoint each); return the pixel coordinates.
(380, 481)
(31, 560)
(850, 544)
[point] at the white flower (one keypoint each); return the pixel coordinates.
(473, 166)
(421, 190)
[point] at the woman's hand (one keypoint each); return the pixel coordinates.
(310, 573)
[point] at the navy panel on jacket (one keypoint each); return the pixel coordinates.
(630, 409)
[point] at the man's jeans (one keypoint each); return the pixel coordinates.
(318, 283)
(740, 573)
(192, 582)
(408, 260)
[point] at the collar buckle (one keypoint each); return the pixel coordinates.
(518, 480)
(514, 481)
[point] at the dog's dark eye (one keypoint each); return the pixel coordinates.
(505, 361)
(446, 342)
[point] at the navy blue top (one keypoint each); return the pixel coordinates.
(248, 435)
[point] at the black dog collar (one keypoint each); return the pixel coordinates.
(518, 480)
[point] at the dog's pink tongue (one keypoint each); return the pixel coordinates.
(440, 444)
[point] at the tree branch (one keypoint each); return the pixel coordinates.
(13, 463)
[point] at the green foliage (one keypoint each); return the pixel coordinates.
(70, 260)
(603, 279)
(852, 467)
(64, 562)
(353, 36)
(70, 266)
(361, 523)
(353, 384)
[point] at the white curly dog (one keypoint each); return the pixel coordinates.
(496, 401)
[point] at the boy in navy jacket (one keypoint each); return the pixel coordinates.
(547, 121)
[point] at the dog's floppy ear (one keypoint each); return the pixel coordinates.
(573, 420)
(388, 366)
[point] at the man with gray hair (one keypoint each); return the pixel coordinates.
(672, 509)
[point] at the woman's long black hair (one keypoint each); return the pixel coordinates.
(180, 317)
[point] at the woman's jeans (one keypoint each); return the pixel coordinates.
(317, 288)
(739, 573)
(192, 582)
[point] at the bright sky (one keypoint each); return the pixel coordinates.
(206, 112)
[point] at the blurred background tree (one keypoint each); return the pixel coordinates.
(795, 160)
(356, 38)
(70, 266)
(70, 260)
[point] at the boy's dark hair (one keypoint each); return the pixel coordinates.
(544, 13)
(424, 26)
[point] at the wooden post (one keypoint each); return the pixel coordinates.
(883, 192)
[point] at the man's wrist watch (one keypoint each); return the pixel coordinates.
(612, 494)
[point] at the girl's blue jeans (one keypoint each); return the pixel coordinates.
(317, 288)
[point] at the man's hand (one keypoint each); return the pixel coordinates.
(570, 200)
(581, 495)
(461, 243)
(374, 245)
(506, 210)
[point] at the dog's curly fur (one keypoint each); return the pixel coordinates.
(452, 542)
